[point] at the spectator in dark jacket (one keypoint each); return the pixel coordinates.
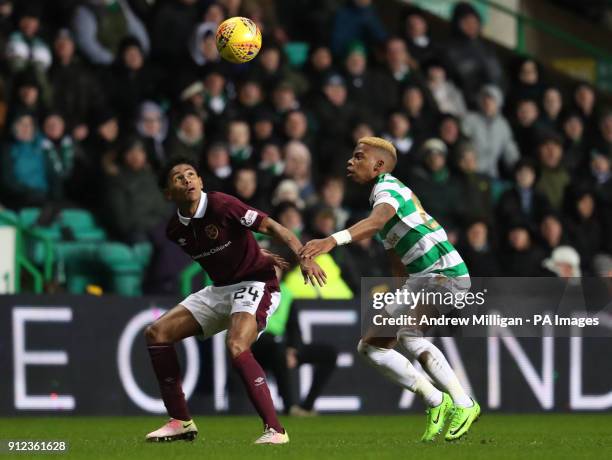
(552, 108)
(575, 157)
(523, 202)
(478, 251)
(134, 205)
(431, 182)
(527, 83)
(356, 21)
(527, 130)
(473, 61)
(362, 84)
(474, 188)
(75, 90)
(583, 225)
(334, 114)
(417, 37)
(133, 80)
(521, 256)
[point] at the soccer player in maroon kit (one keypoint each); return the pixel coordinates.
(214, 229)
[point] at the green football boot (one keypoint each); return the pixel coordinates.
(462, 420)
(436, 418)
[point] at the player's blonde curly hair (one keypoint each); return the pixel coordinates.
(380, 143)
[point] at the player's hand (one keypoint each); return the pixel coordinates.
(277, 260)
(312, 272)
(315, 247)
(292, 360)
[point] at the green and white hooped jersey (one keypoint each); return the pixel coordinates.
(415, 236)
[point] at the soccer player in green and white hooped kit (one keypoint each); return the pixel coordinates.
(419, 247)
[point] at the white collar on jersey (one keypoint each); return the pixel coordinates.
(199, 212)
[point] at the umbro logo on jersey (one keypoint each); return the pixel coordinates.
(259, 381)
(182, 242)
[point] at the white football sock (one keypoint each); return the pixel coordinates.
(398, 369)
(435, 364)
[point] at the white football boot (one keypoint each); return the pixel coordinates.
(271, 436)
(174, 430)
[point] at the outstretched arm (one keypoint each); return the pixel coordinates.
(363, 229)
(310, 269)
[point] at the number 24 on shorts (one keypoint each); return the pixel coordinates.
(247, 290)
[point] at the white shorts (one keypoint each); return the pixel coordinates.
(436, 285)
(213, 306)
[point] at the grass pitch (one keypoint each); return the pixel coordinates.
(548, 436)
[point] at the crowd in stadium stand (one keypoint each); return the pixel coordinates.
(97, 94)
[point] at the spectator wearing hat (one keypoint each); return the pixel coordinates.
(152, 127)
(564, 262)
(552, 108)
(583, 224)
(363, 87)
(334, 114)
(356, 21)
(192, 99)
(521, 256)
(447, 96)
(478, 250)
(490, 133)
(133, 80)
(431, 182)
(76, 91)
(416, 33)
(474, 63)
(575, 157)
(523, 202)
(554, 178)
(101, 25)
(133, 203)
(203, 45)
(25, 47)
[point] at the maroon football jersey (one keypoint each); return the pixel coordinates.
(219, 238)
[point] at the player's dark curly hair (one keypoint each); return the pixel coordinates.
(171, 163)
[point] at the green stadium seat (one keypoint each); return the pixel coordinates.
(297, 53)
